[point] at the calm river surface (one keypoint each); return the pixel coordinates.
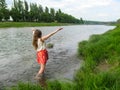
(18, 59)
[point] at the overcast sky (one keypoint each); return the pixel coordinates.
(98, 10)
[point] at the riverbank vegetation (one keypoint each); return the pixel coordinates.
(101, 68)
(29, 24)
(21, 11)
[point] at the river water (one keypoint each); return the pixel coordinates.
(18, 59)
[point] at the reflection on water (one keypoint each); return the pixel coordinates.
(17, 57)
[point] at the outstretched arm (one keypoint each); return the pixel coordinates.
(50, 34)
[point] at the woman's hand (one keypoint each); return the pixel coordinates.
(50, 34)
(33, 31)
(59, 29)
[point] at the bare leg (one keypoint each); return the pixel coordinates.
(40, 72)
(42, 69)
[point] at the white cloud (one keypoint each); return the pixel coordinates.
(107, 10)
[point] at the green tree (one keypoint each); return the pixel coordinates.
(4, 12)
(26, 12)
(40, 13)
(46, 10)
(21, 11)
(14, 14)
(81, 21)
(46, 17)
(1, 15)
(52, 13)
(34, 12)
(118, 21)
(65, 18)
(58, 16)
(17, 11)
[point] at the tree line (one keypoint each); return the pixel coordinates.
(21, 11)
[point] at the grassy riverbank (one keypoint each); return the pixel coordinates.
(28, 24)
(101, 69)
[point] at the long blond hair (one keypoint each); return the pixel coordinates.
(37, 34)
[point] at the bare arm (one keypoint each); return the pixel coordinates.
(50, 34)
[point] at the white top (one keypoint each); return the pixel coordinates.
(41, 45)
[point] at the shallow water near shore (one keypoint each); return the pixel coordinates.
(18, 58)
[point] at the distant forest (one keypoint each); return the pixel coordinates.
(21, 11)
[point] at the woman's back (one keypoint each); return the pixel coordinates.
(41, 45)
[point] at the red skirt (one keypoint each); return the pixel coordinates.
(42, 56)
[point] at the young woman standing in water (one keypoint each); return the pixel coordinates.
(40, 47)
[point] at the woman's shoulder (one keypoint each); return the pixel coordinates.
(40, 40)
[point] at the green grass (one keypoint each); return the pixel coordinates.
(28, 24)
(51, 85)
(25, 86)
(98, 49)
